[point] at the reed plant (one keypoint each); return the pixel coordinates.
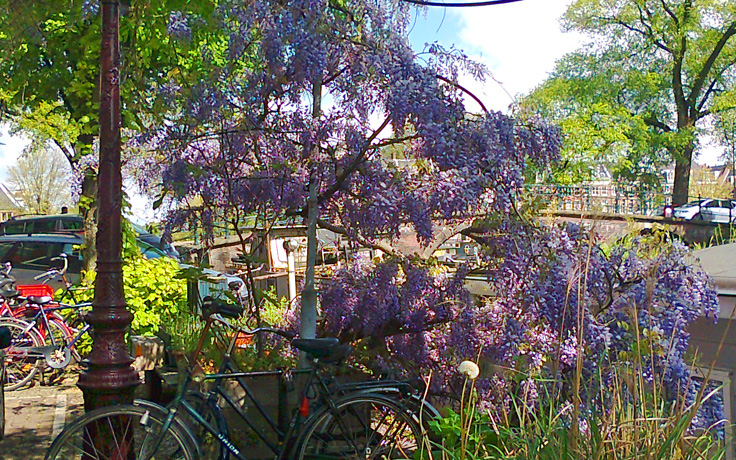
(626, 420)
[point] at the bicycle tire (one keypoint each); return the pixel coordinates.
(2, 397)
(210, 448)
(143, 424)
(362, 426)
(62, 356)
(19, 370)
(421, 409)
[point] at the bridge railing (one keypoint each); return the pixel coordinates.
(619, 200)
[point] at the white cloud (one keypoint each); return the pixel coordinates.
(10, 149)
(519, 42)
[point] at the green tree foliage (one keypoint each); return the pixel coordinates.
(645, 89)
(153, 292)
(49, 59)
(49, 72)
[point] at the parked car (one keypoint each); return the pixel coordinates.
(72, 223)
(31, 255)
(709, 210)
(27, 225)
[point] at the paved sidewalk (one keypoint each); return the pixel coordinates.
(34, 416)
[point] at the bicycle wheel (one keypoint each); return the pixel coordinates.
(362, 427)
(209, 446)
(125, 431)
(20, 368)
(62, 356)
(2, 397)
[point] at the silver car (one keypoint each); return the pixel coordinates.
(709, 210)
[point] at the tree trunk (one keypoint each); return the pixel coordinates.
(682, 178)
(88, 208)
(308, 320)
(683, 157)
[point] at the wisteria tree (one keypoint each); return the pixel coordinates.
(312, 95)
(566, 313)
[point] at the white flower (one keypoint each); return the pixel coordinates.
(469, 369)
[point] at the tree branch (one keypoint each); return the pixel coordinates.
(652, 121)
(641, 32)
(677, 88)
(357, 160)
(670, 13)
(465, 90)
(707, 94)
(700, 80)
(388, 249)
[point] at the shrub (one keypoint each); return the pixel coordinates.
(152, 292)
(546, 426)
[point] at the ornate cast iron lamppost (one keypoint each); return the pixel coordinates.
(108, 377)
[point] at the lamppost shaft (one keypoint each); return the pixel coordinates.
(108, 377)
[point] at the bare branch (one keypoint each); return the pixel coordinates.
(388, 249)
(466, 91)
(460, 4)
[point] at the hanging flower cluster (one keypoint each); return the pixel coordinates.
(559, 298)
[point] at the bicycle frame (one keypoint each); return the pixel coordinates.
(316, 386)
(228, 371)
(43, 315)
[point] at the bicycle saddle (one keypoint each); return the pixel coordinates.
(42, 300)
(211, 306)
(327, 349)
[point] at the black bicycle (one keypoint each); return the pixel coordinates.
(362, 420)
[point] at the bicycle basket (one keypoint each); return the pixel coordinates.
(37, 290)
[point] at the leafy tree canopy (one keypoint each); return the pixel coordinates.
(49, 62)
(645, 89)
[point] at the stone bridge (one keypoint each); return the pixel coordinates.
(612, 226)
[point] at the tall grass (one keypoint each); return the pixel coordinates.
(632, 424)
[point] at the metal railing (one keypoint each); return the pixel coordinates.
(612, 199)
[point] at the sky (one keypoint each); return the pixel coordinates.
(519, 42)
(10, 148)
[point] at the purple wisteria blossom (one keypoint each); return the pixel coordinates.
(559, 298)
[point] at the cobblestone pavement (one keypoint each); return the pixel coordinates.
(35, 415)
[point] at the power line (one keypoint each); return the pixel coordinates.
(460, 4)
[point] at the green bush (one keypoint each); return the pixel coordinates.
(152, 292)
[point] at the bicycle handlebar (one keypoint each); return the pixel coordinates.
(48, 274)
(55, 271)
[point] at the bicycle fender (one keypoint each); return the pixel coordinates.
(153, 407)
